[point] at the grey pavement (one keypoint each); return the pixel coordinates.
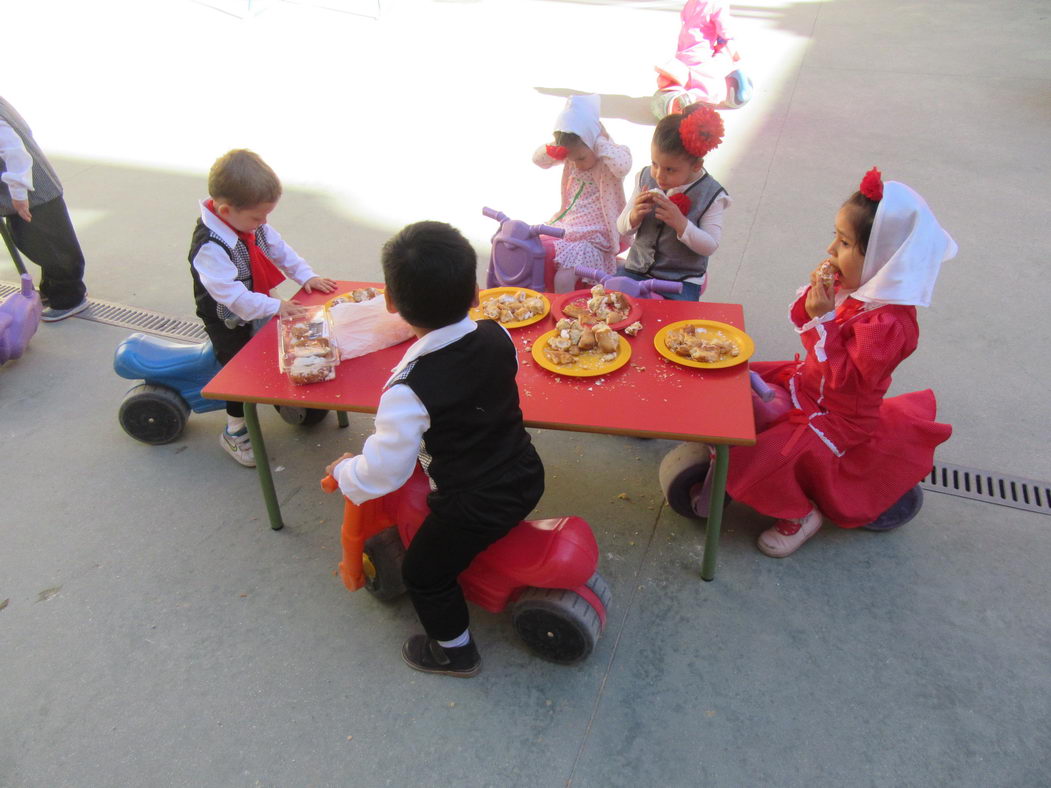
(155, 631)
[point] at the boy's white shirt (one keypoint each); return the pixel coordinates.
(389, 455)
(18, 164)
(703, 239)
(219, 274)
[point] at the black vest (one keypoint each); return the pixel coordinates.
(469, 391)
(207, 307)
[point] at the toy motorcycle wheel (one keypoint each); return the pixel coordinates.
(906, 507)
(153, 414)
(682, 468)
(559, 624)
(301, 417)
(381, 562)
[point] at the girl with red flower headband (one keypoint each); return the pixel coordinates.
(829, 445)
(676, 211)
(593, 170)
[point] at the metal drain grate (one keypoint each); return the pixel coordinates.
(1013, 491)
(135, 319)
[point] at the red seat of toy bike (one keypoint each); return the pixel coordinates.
(538, 549)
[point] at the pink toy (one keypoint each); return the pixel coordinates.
(20, 312)
(519, 258)
(647, 288)
(543, 569)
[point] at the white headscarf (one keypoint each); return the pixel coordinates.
(581, 117)
(906, 249)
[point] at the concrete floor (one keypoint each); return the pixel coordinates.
(154, 631)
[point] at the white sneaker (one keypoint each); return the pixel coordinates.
(52, 315)
(238, 446)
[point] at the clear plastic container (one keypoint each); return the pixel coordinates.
(306, 350)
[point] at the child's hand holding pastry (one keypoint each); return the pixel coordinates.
(667, 211)
(821, 297)
(321, 284)
(291, 309)
(642, 206)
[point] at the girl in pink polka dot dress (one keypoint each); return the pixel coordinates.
(593, 171)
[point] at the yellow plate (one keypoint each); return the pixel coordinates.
(743, 341)
(588, 365)
(495, 292)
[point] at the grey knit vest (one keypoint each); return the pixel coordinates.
(657, 252)
(46, 185)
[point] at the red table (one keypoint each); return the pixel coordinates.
(649, 397)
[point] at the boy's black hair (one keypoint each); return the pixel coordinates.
(666, 134)
(861, 216)
(429, 272)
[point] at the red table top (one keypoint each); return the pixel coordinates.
(648, 397)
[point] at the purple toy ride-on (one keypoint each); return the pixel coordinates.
(519, 258)
(645, 288)
(20, 312)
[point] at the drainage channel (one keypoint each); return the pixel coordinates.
(135, 319)
(990, 487)
(978, 485)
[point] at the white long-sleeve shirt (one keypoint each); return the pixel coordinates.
(18, 164)
(219, 274)
(389, 455)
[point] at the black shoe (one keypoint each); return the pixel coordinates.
(423, 653)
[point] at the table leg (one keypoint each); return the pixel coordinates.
(262, 465)
(715, 512)
(341, 418)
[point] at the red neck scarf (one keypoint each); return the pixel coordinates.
(265, 275)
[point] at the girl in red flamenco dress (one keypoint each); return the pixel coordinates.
(829, 445)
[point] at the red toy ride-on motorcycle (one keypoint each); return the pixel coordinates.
(544, 570)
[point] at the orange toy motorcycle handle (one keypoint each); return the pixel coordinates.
(353, 539)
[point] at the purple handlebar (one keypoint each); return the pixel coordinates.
(546, 229)
(625, 284)
(660, 286)
(500, 216)
(766, 394)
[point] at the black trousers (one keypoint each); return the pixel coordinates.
(460, 526)
(50, 242)
(226, 342)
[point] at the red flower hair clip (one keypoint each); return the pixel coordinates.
(557, 151)
(701, 131)
(872, 185)
(681, 201)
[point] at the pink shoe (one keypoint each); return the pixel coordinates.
(787, 536)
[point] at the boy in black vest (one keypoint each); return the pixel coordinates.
(235, 260)
(452, 404)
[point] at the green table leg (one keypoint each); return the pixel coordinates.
(262, 464)
(715, 512)
(341, 418)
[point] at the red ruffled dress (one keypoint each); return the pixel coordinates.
(841, 445)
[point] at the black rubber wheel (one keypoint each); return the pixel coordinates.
(600, 588)
(558, 624)
(906, 507)
(153, 414)
(301, 417)
(381, 562)
(682, 467)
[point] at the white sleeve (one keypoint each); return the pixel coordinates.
(18, 164)
(285, 257)
(624, 220)
(705, 239)
(389, 454)
(219, 276)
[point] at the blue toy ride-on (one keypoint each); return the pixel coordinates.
(173, 374)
